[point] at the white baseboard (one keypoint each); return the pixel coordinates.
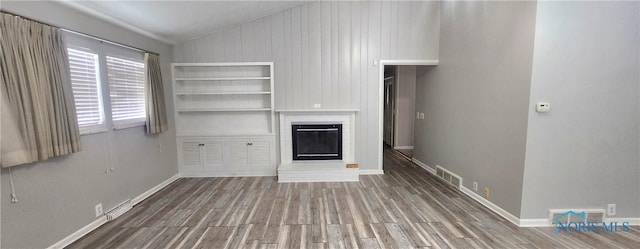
(632, 221)
(371, 172)
(78, 234)
(490, 205)
(103, 219)
(153, 190)
(424, 166)
(546, 223)
(534, 223)
(403, 147)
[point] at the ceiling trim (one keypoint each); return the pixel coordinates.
(114, 21)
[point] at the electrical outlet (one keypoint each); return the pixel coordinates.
(99, 210)
(475, 186)
(317, 105)
(486, 192)
(422, 115)
(611, 209)
(543, 107)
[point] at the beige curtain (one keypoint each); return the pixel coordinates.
(156, 109)
(36, 88)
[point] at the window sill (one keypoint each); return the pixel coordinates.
(90, 131)
(129, 125)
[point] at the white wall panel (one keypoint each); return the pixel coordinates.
(296, 57)
(288, 63)
(335, 45)
(393, 36)
(344, 54)
(325, 20)
(315, 59)
(404, 30)
(277, 55)
(355, 54)
(218, 47)
(247, 43)
(385, 30)
(364, 76)
(370, 147)
(304, 50)
(324, 52)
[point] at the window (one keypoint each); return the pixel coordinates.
(85, 82)
(126, 86)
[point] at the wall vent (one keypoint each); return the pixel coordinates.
(576, 215)
(119, 210)
(449, 176)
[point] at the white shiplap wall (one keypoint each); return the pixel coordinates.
(323, 53)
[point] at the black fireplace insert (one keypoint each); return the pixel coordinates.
(317, 141)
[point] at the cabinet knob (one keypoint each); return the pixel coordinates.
(249, 143)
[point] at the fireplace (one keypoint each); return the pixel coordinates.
(317, 141)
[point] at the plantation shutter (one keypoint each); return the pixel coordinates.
(126, 84)
(83, 67)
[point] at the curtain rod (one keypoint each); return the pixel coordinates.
(80, 33)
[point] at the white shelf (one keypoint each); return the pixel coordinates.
(222, 64)
(224, 110)
(225, 93)
(216, 79)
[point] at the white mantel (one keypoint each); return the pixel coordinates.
(310, 171)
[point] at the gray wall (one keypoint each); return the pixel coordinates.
(57, 197)
(476, 100)
(405, 90)
(584, 152)
(324, 53)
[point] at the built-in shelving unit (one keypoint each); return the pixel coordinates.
(224, 115)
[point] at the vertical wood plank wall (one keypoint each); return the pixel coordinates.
(323, 53)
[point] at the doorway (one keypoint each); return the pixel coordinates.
(397, 106)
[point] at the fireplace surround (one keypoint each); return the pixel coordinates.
(344, 117)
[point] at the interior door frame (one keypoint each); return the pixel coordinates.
(381, 65)
(392, 100)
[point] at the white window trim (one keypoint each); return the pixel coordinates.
(133, 123)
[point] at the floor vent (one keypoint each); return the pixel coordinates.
(449, 177)
(119, 210)
(576, 215)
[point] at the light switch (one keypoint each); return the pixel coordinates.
(417, 115)
(543, 107)
(317, 105)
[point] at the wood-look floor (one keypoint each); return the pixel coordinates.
(405, 208)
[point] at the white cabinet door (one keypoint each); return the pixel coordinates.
(238, 155)
(260, 155)
(224, 156)
(190, 158)
(213, 154)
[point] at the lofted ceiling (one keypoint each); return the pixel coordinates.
(178, 21)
